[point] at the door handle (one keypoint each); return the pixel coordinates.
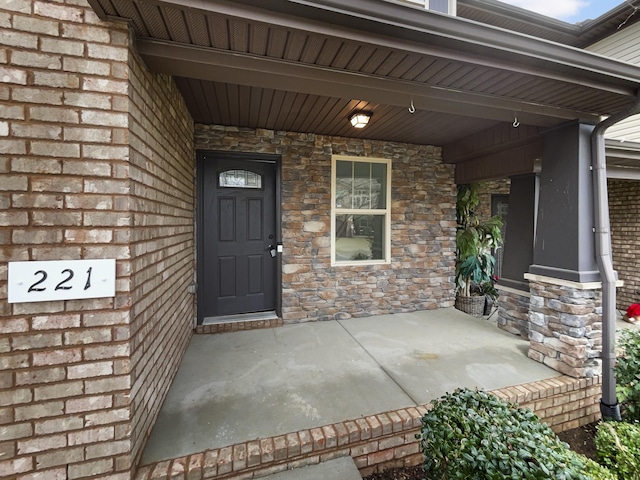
(272, 250)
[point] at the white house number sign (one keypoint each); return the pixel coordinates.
(61, 280)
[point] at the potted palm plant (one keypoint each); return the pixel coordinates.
(475, 242)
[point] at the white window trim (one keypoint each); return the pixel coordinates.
(453, 5)
(387, 210)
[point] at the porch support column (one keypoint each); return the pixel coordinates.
(565, 308)
(513, 303)
(565, 326)
(565, 246)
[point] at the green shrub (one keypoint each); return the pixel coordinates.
(618, 445)
(627, 372)
(473, 435)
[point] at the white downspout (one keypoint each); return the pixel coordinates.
(609, 406)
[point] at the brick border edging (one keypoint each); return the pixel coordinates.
(374, 442)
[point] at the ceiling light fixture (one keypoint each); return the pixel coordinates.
(360, 119)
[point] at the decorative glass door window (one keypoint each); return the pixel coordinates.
(361, 191)
(239, 179)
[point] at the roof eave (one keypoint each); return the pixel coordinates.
(471, 40)
(583, 33)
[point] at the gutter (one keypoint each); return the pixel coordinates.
(471, 37)
(609, 405)
(492, 7)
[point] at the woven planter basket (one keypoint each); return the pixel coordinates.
(473, 305)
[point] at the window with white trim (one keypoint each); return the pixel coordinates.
(442, 6)
(361, 210)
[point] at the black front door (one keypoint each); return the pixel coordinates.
(238, 264)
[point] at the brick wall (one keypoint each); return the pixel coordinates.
(420, 275)
(624, 214)
(84, 173)
(161, 169)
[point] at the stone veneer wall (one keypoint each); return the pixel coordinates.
(90, 167)
(513, 311)
(487, 190)
(624, 214)
(565, 329)
(420, 275)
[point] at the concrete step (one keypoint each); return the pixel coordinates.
(338, 469)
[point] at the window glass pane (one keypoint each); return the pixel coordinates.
(362, 185)
(378, 185)
(344, 184)
(439, 6)
(240, 179)
(359, 237)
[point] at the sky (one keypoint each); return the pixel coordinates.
(571, 11)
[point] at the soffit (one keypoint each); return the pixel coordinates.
(301, 68)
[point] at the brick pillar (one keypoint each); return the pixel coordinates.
(91, 166)
(566, 326)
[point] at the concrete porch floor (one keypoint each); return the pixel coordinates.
(239, 386)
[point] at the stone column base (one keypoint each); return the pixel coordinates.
(513, 311)
(565, 330)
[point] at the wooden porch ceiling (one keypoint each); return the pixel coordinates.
(307, 65)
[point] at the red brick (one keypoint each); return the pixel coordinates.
(225, 460)
(12, 467)
(59, 12)
(253, 456)
(58, 425)
(90, 469)
(57, 357)
(37, 95)
(39, 410)
(280, 448)
(40, 444)
(59, 390)
(53, 474)
(293, 444)
(13, 325)
(40, 375)
(16, 430)
(380, 457)
(178, 468)
(36, 341)
(194, 467)
(60, 457)
(91, 435)
(210, 465)
(330, 435)
(11, 362)
(18, 39)
(88, 404)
